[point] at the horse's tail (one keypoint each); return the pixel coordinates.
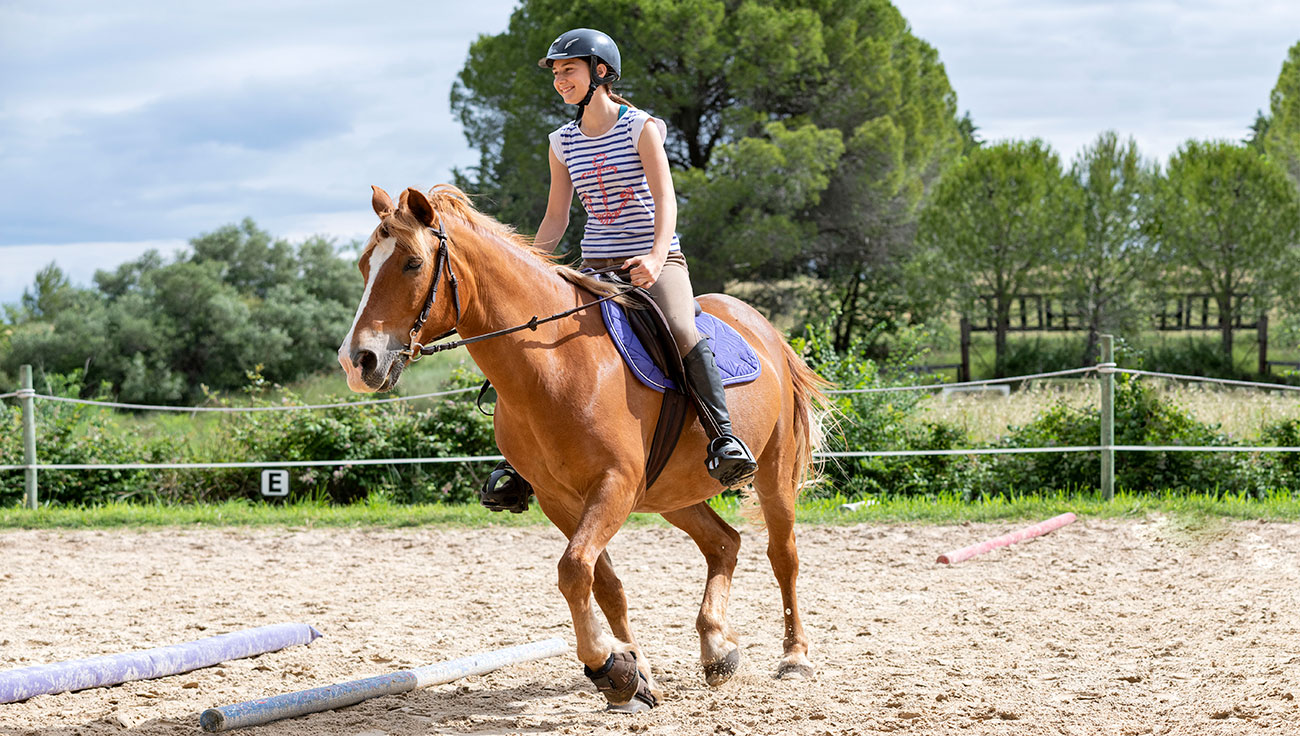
(812, 408)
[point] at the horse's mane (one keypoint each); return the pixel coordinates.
(450, 201)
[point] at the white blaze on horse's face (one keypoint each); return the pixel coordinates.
(367, 339)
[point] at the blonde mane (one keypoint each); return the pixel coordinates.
(450, 202)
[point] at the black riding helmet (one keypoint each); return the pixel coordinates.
(596, 47)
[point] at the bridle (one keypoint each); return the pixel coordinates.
(414, 350)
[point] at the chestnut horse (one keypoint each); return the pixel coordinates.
(574, 421)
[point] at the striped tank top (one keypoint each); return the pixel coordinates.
(609, 179)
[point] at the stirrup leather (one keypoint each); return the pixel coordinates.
(505, 490)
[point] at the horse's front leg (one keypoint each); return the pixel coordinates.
(611, 664)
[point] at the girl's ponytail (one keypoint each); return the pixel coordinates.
(618, 98)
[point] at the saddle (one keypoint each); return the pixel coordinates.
(640, 333)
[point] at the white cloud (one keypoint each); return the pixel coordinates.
(138, 122)
(1158, 70)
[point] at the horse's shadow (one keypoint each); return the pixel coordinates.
(479, 711)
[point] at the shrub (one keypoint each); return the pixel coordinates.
(1141, 418)
(879, 421)
(79, 434)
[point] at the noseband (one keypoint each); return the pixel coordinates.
(414, 350)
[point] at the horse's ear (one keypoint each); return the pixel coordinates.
(419, 205)
(382, 203)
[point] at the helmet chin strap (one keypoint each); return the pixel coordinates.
(582, 106)
(595, 82)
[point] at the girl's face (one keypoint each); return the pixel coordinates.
(572, 79)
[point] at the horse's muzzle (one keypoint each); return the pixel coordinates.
(369, 371)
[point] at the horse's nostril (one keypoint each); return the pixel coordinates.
(367, 361)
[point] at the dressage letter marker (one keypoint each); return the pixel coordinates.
(275, 483)
(965, 553)
(329, 697)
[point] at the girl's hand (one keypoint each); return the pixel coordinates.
(644, 270)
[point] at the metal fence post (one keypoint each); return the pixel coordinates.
(25, 394)
(1107, 416)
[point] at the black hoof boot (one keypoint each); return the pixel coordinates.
(622, 684)
(505, 490)
(730, 462)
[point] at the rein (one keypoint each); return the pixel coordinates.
(414, 351)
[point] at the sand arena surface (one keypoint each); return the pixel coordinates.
(1103, 627)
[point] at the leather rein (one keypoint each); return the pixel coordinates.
(415, 350)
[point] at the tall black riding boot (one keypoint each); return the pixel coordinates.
(729, 460)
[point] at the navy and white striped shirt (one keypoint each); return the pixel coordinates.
(607, 173)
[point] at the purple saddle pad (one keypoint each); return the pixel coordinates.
(737, 361)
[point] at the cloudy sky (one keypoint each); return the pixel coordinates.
(137, 124)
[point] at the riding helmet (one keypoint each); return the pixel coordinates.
(586, 42)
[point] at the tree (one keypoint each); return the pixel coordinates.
(994, 225)
(156, 330)
(1258, 133)
(1282, 128)
(887, 93)
(51, 293)
(720, 73)
(751, 195)
(1104, 274)
(1223, 222)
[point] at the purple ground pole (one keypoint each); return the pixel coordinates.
(112, 669)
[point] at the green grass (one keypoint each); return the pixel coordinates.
(1281, 506)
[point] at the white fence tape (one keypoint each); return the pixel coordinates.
(980, 451)
(985, 382)
(1203, 379)
(243, 409)
(257, 464)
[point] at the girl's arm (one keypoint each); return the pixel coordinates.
(645, 269)
(556, 220)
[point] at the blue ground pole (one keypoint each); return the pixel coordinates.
(329, 697)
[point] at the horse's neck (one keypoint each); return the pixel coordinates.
(509, 287)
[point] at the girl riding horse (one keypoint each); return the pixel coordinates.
(613, 154)
(569, 416)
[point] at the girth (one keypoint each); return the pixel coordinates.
(651, 328)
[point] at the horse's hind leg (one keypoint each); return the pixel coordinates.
(776, 495)
(719, 648)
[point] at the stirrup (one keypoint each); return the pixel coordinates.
(505, 490)
(730, 462)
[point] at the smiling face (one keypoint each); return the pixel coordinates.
(573, 78)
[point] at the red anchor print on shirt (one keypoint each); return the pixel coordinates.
(599, 169)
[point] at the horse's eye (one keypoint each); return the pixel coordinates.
(383, 231)
(413, 264)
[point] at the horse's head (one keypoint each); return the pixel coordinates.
(398, 264)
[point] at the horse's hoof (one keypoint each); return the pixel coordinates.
(716, 673)
(796, 669)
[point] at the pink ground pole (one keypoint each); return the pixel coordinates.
(1042, 527)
